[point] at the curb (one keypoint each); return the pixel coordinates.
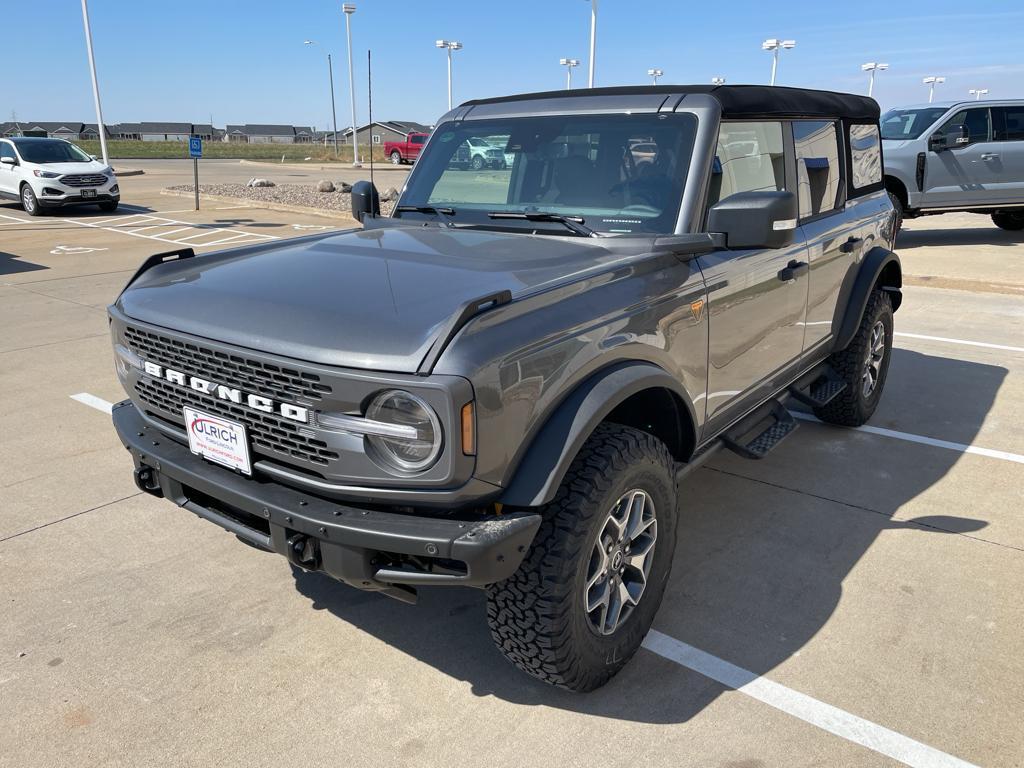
(129, 172)
(382, 166)
(326, 213)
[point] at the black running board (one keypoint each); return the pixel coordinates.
(769, 425)
(818, 388)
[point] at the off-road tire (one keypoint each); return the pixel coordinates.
(29, 201)
(897, 206)
(396, 158)
(537, 616)
(108, 206)
(1011, 222)
(851, 407)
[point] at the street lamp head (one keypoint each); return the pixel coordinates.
(456, 46)
(655, 72)
(770, 44)
(882, 67)
(348, 7)
(789, 44)
(931, 79)
(718, 81)
(441, 43)
(309, 42)
(450, 44)
(569, 62)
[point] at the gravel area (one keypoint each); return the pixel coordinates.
(304, 195)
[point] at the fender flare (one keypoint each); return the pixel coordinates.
(555, 445)
(875, 263)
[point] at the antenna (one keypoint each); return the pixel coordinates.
(369, 98)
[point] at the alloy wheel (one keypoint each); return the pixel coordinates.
(873, 363)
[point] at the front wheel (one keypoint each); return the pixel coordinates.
(477, 163)
(582, 601)
(29, 202)
(863, 365)
(1012, 222)
(396, 158)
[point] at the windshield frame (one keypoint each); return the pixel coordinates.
(916, 111)
(681, 145)
(22, 144)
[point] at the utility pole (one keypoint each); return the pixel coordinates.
(593, 40)
(349, 9)
(95, 84)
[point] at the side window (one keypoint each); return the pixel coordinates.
(1008, 123)
(749, 157)
(6, 150)
(865, 156)
(817, 165)
(976, 121)
(418, 139)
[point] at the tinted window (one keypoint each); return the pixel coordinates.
(749, 158)
(50, 151)
(817, 165)
(578, 165)
(6, 150)
(1008, 123)
(417, 139)
(976, 121)
(865, 156)
(899, 124)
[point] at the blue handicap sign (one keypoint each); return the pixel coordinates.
(195, 147)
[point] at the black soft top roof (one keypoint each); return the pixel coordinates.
(736, 100)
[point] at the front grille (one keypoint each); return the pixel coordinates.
(84, 180)
(234, 370)
(267, 432)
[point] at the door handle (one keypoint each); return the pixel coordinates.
(793, 270)
(990, 156)
(851, 245)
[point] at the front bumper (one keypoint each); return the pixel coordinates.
(365, 547)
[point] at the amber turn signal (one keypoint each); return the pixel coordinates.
(468, 430)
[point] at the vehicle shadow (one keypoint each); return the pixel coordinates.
(759, 566)
(923, 238)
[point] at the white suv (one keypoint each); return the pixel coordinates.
(49, 173)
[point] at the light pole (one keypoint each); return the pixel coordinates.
(977, 93)
(655, 74)
(775, 45)
(872, 67)
(569, 64)
(334, 114)
(450, 45)
(931, 81)
(718, 81)
(95, 84)
(593, 41)
(349, 9)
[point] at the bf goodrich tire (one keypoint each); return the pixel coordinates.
(1012, 222)
(582, 601)
(863, 365)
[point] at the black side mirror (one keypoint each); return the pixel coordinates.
(954, 136)
(755, 219)
(365, 200)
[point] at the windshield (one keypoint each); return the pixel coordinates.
(901, 124)
(618, 174)
(50, 151)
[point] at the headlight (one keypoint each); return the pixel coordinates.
(108, 171)
(420, 445)
(46, 174)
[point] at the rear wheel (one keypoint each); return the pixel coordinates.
(108, 206)
(396, 158)
(585, 596)
(1012, 222)
(863, 365)
(29, 202)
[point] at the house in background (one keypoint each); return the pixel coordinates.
(235, 133)
(379, 132)
(49, 129)
(304, 134)
(204, 131)
(165, 131)
(270, 134)
(90, 132)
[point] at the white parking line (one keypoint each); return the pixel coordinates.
(958, 341)
(1016, 458)
(94, 402)
(133, 222)
(832, 719)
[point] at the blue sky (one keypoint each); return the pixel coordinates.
(246, 62)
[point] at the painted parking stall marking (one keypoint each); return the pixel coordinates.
(173, 231)
(964, 342)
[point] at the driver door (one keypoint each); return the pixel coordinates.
(963, 173)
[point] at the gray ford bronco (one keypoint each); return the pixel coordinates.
(504, 382)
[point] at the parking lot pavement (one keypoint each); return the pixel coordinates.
(852, 599)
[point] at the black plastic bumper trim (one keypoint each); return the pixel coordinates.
(347, 536)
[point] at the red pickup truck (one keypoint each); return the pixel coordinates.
(405, 151)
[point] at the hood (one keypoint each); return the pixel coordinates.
(371, 299)
(92, 166)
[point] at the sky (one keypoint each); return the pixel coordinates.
(245, 61)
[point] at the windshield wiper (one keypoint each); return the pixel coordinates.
(574, 223)
(429, 209)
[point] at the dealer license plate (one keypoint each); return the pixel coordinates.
(220, 440)
(88, 193)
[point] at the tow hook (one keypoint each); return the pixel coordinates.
(146, 480)
(303, 551)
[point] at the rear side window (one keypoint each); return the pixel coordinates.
(418, 139)
(1008, 123)
(6, 150)
(865, 156)
(976, 120)
(749, 158)
(817, 165)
